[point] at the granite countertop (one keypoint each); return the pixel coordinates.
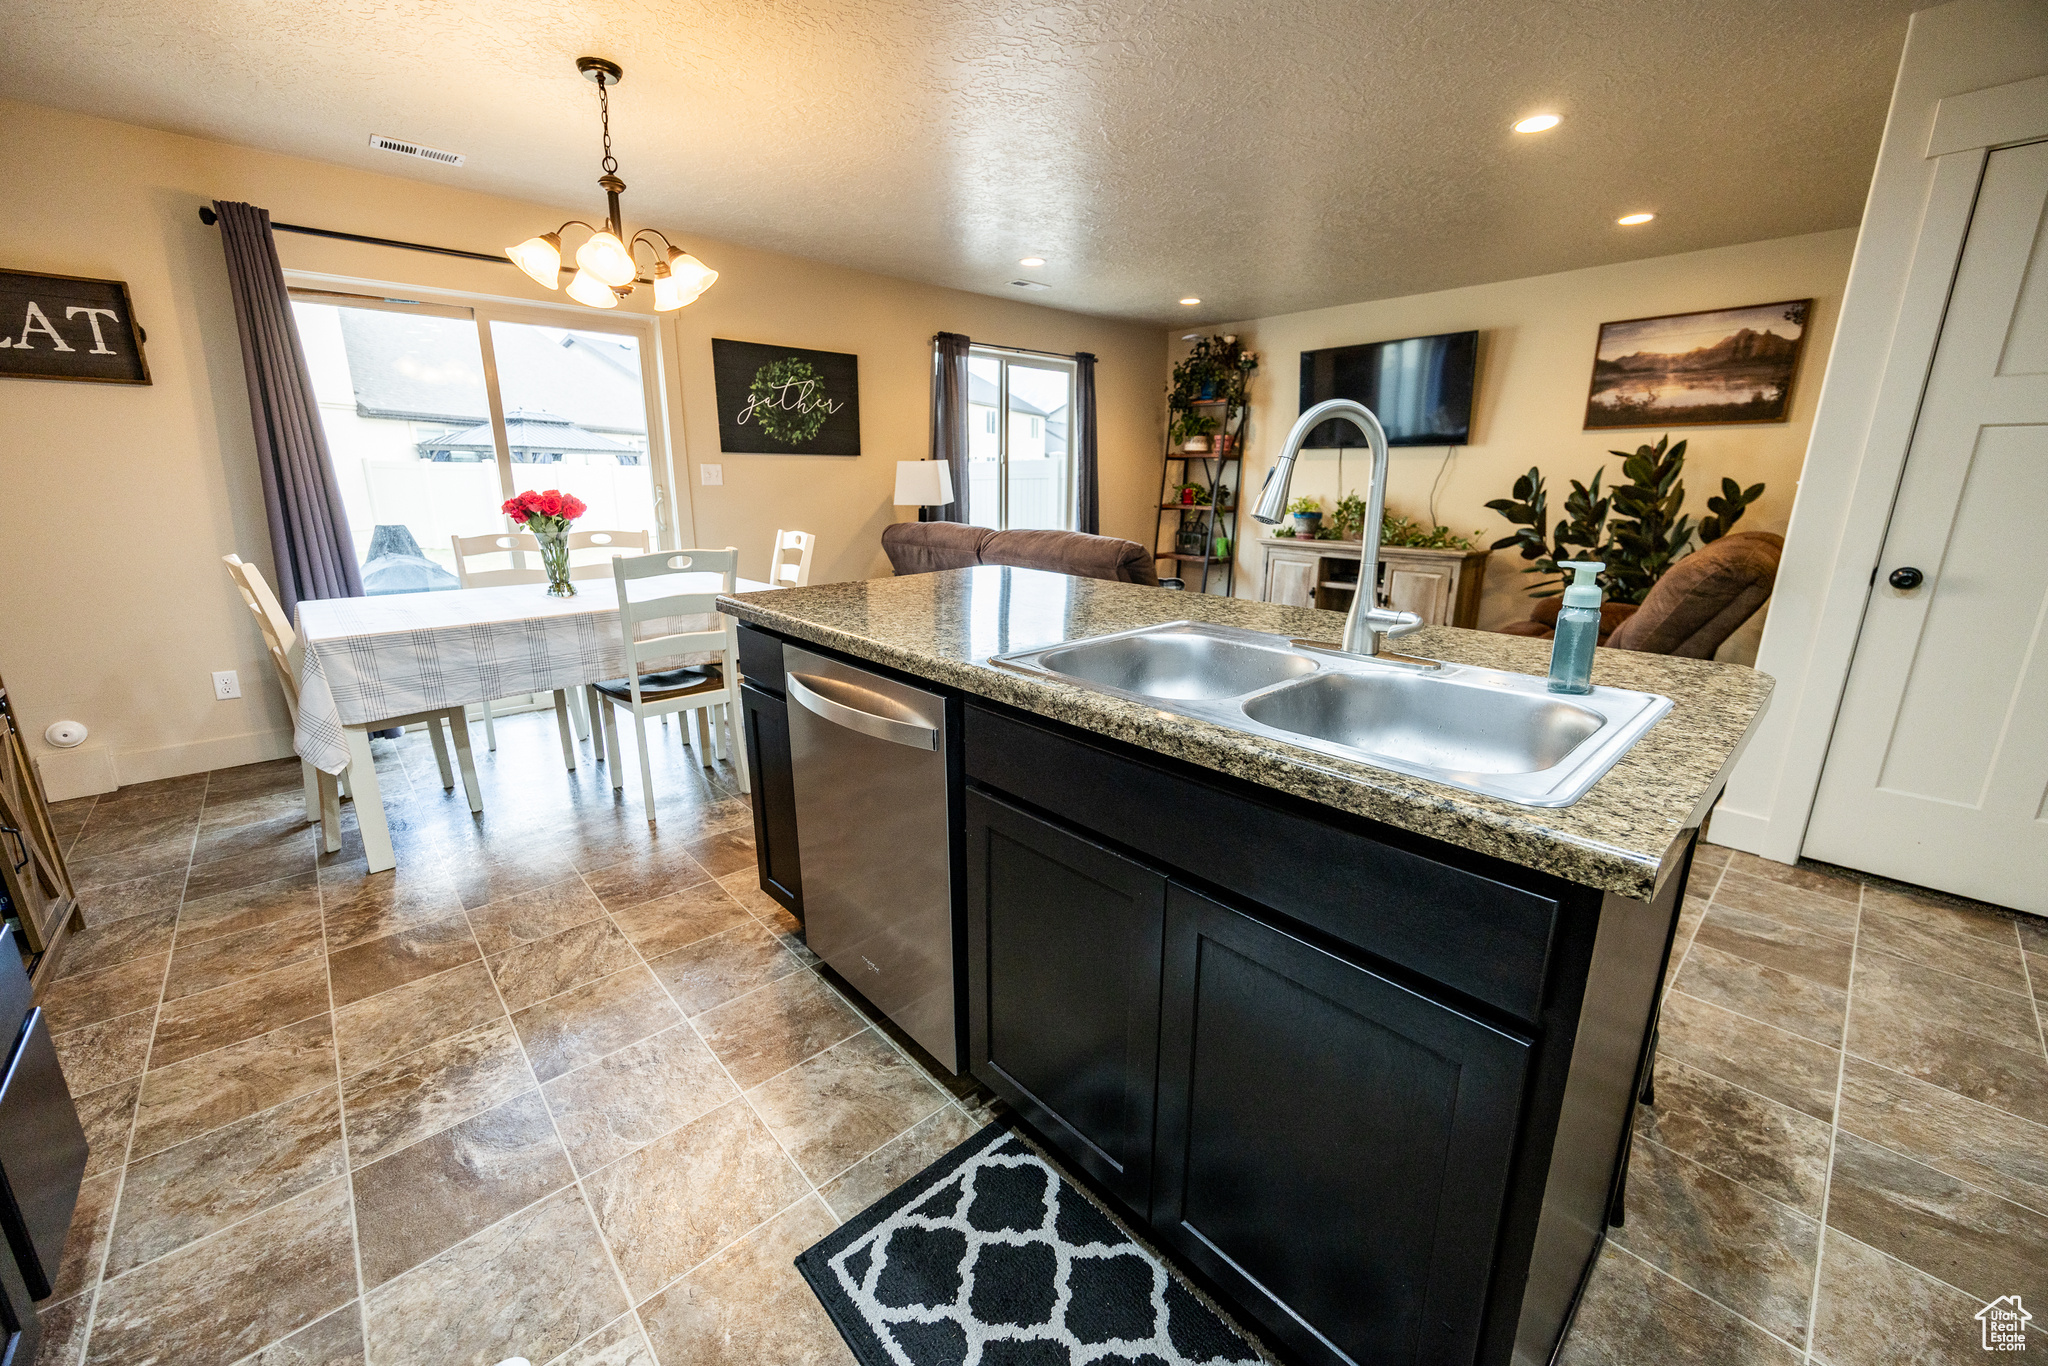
(945, 626)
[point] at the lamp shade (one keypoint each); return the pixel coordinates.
(606, 257)
(680, 279)
(923, 483)
(541, 258)
(586, 288)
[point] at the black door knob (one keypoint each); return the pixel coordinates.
(1906, 578)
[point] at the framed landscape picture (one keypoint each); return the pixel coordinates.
(784, 400)
(1698, 369)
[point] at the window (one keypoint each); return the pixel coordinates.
(1019, 467)
(436, 414)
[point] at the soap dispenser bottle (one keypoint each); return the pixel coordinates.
(1578, 629)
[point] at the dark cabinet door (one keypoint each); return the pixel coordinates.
(1063, 987)
(767, 727)
(20, 1331)
(42, 1156)
(1333, 1148)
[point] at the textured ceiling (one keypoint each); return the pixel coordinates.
(1267, 155)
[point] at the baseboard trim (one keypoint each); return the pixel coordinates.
(85, 771)
(201, 756)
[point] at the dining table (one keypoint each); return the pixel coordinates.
(363, 661)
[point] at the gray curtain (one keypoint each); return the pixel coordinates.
(1087, 493)
(949, 418)
(308, 528)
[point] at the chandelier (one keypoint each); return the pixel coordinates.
(606, 268)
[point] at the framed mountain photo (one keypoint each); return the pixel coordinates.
(784, 400)
(1698, 369)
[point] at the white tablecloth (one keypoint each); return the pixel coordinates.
(368, 659)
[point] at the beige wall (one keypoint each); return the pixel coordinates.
(1535, 362)
(121, 500)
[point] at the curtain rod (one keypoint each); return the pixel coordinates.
(1028, 350)
(209, 217)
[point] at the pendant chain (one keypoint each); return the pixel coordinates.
(604, 113)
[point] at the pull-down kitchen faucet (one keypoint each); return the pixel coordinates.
(1368, 626)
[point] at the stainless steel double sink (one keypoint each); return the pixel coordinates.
(1500, 734)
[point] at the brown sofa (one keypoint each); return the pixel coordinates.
(922, 547)
(1698, 603)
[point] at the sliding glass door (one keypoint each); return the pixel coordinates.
(435, 414)
(1020, 469)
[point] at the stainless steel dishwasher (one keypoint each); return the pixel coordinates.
(868, 758)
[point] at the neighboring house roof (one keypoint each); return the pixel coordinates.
(982, 392)
(528, 431)
(400, 366)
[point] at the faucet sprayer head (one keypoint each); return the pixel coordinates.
(1272, 505)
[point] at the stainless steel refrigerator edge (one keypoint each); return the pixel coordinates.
(868, 758)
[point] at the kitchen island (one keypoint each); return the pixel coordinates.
(1359, 1047)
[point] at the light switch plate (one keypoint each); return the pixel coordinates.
(225, 685)
(711, 474)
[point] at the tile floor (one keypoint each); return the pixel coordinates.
(571, 1088)
(1847, 1156)
(558, 1086)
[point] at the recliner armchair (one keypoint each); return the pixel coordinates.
(922, 547)
(1697, 605)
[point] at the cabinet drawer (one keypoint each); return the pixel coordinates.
(1063, 988)
(1475, 933)
(1333, 1147)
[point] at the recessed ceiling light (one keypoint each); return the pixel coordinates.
(1538, 123)
(1631, 220)
(1191, 301)
(1032, 261)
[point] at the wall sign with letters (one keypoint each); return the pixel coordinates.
(785, 400)
(63, 327)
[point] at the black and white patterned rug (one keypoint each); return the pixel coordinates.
(990, 1257)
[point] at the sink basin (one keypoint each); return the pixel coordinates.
(1431, 722)
(1180, 666)
(1499, 734)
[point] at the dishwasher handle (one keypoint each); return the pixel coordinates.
(907, 733)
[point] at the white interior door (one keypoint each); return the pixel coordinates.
(1937, 773)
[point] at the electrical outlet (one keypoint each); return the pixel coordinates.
(226, 685)
(711, 474)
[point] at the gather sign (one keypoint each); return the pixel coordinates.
(64, 327)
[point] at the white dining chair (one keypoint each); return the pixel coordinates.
(517, 547)
(789, 566)
(709, 690)
(324, 790)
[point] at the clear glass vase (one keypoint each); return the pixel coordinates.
(554, 557)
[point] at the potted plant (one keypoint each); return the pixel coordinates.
(1648, 532)
(1307, 513)
(1191, 430)
(1216, 368)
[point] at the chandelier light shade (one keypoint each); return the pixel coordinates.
(586, 288)
(541, 258)
(680, 279)
(606, 257)
(606, 268)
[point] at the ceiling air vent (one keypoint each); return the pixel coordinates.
(413, 149)
(1030, 284)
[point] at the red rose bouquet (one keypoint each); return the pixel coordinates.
(547, 515)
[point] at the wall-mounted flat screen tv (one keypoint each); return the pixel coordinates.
(1419, 388)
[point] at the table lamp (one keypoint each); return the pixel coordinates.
(925, 483)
